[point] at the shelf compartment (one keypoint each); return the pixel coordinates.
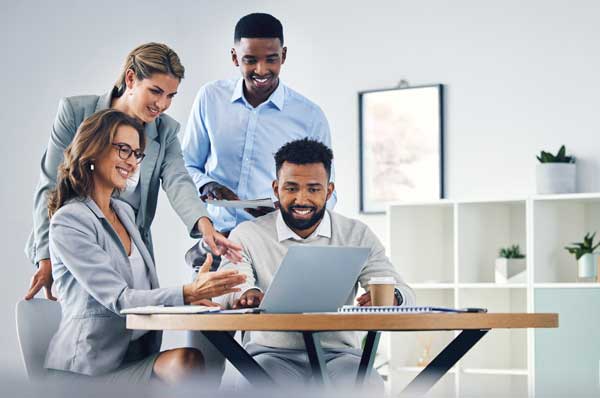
(484, 371)
(483, 229)
(557, 223)
(499, 348)
(492, 285)
(422, 242)
(493, 385)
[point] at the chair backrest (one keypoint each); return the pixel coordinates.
(37, 321)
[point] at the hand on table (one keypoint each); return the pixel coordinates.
(250, 299)
(42, 279)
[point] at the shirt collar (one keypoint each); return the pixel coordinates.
(284, 232)
(276, 98)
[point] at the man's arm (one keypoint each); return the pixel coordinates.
(245, 267)
(196, 144)
(378, 264)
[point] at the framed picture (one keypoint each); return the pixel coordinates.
(401, 146)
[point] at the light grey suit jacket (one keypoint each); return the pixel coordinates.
(163, 162)
(94, 283)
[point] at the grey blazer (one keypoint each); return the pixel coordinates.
(94, 282)
(163, 162)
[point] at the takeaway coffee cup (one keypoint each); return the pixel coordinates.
(382, 290)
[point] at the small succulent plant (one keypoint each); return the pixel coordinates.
(560, 157)
(511, 252)
(585, 247)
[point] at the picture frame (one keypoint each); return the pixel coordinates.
(401, 145)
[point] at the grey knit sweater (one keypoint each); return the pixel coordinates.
(263, 252)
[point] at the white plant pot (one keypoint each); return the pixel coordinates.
(587, 265)
(555, 178)
(511, 270)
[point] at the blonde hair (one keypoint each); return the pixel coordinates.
(148, 59)
(93, 139)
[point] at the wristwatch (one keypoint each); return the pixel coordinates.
(398, 296)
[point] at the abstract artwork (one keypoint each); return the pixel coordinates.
(401, 146)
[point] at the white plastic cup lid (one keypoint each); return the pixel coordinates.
(382, 280)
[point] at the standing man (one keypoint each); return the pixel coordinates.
(235, 126)
(234, 129)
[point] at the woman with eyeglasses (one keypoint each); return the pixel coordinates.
(101, 264)
(148, 82)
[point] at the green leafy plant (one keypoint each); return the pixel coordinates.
(561, 157)
(585, 247)
(511, 252)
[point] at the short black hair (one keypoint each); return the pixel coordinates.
(304, 151)
(258, 25)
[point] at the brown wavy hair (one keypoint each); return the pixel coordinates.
(93, 139)
(147, 59)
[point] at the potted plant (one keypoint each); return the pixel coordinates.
(555, 173)
(510, 265)
(585, 256)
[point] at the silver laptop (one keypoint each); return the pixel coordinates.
(314, 279)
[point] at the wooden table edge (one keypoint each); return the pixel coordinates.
(341, 322)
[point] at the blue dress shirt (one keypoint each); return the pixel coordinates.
(229, 141)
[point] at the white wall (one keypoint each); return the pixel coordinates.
(520, 77)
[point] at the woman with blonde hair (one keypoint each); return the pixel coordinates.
(101, 265)
(147, 84)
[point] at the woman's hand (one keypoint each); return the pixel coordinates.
(42, 279)
(211, 284)
(219, 245)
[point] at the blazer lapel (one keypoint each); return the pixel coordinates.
(125, 271)
(136, 238)
(147, 168)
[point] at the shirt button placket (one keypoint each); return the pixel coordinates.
(246, 159)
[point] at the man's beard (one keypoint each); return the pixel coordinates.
(301, 225)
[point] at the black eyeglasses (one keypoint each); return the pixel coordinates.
(125, 152)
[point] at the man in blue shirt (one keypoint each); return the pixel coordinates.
(235, 126)
(234, 129)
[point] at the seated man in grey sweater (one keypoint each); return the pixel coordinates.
(303, 188)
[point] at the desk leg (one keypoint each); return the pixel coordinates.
(239, 358)
(368, 356)
(316, 357)
(443, 362)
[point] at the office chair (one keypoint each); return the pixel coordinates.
(37, 321)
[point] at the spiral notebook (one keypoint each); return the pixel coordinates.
(396, 309)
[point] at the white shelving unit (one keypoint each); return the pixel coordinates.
(446, 251)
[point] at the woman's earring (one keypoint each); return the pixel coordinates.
(92, 167)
